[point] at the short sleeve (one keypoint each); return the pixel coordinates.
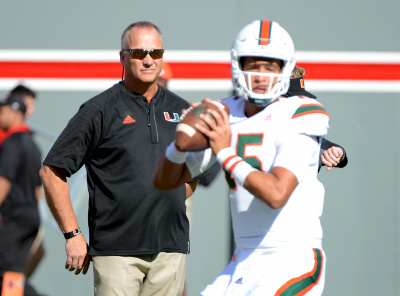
(310, 118)
(77, 141)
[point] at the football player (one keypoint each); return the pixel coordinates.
(269, 148)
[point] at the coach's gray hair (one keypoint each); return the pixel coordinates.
(142, 24)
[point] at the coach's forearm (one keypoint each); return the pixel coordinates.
(57, 195)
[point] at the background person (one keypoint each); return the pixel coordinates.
(139, 236)
(37, 250)
(20, 186)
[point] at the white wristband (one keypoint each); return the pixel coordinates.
(234, 165)
(173, 154)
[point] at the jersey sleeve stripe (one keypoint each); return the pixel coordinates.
(311, 112)
(304, 283)
(309, 109)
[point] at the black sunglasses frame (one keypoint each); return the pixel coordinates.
(138, 53)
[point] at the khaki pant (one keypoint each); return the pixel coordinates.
(160, 274)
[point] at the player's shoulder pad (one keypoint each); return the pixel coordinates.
(310, 117)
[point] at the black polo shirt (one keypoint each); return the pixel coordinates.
(120, 137)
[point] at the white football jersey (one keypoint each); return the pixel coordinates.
(287, 134)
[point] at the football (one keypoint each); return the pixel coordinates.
(187, 137)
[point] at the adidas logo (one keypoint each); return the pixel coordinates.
(239, 281)
(268, 117)
(128, 119)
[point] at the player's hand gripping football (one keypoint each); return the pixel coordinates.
(219, 134)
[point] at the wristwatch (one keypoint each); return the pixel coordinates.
(72, 233)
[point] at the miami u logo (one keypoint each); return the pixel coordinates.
(167, 118)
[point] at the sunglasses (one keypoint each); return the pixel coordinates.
(142, 53)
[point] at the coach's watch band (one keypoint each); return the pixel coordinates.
(72, 233)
